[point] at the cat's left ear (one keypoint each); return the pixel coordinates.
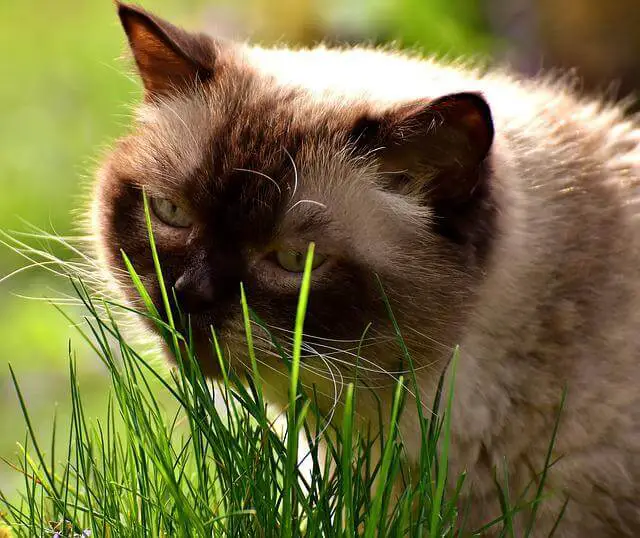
(168, 58)
(434, 147)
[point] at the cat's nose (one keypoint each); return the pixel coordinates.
(194, 291)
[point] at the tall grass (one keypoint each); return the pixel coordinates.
(177, 456)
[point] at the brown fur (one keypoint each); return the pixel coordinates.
(500, 215)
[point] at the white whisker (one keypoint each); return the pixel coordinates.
(308, 202)
(430, 339)
(51, 300)
(261, 175)
(295, 173)
(311, 336)
(25, 268)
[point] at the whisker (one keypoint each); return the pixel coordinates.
(26, 268)
(279, 372)
(52, 300)
(261, 175)
(320, 372)
(430, 339)
(335, 351)
(295, 173)
(311, 336)
(377, 369)
(336, 399)
(308, 202)
(65, 241)
(48, 266)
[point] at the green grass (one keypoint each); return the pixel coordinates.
(213, 467)
(174, 457)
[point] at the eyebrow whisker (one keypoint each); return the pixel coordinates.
(295, 173)
(261, 175)
(308, 202)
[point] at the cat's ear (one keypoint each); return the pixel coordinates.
(168, 58)
(436, 147)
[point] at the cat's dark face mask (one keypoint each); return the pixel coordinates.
(242, 174)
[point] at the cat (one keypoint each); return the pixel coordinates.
(498, 214)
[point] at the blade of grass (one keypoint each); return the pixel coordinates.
(373, 519)
(441, 477)
(288, 512)
(547, 465)
(347, 488)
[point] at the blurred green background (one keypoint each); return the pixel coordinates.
(65, 94)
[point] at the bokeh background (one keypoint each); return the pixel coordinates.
(65, 94)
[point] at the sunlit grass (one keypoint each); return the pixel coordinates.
(174, 457)
(214, 467)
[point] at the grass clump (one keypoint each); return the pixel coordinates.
(177, 457)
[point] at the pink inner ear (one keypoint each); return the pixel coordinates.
(469, 115)
(159, 51)
(160, 67)
(438, 145)
(457, 124)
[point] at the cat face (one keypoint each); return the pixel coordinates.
(243, 172)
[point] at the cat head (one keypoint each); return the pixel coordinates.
(243, 170)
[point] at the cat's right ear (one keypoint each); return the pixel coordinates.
(168, 59)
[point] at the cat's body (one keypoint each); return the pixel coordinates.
(506, 223)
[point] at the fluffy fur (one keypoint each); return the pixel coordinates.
(499, 214)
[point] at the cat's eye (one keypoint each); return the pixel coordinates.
(170, 213)
(294, 260)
